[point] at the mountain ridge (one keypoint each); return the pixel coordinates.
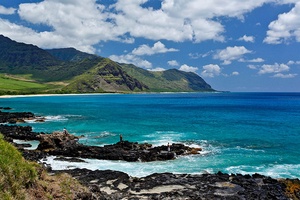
(80, 72)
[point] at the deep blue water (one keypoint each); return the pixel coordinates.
(239, 132)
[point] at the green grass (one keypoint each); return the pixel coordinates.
(23, 85)
(21, 179)
(7, 83)
(16, 174)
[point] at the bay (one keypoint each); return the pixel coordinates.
(239, 132)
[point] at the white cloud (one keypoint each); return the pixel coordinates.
(82, 24)
(198, 55)
(158, 69)
(235, 73)
(132, 18)
(247, 38)
(276, 68)
(291, 62)
(187, 68)
(158, 47)
(42, 39)
(285, 28)
(79, 24)
(6, 11)
(173, 63)
(231, 53)
(180, 20)
(280, 75)
(255, 60)
(252, 66)
(211, 70)
(131, 59)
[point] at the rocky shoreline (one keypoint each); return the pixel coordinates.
(118, 185)
(108, 184)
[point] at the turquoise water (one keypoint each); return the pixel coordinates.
(239, 132)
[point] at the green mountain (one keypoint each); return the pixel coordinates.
(171, 80)
(105, 76)
(26, 69)
(70, 54)
(19, 57)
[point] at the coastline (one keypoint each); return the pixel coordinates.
(108, 184)
(96, 133)
(116, 93)
(108, 93)
(45, 95)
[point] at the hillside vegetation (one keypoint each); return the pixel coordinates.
(23, 180)
(106, 76)
(16, 174)
(27, 69)
(171, 80)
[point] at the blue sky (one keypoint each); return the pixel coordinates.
(234, 45)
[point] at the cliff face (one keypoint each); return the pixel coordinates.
(171, 80)
(106, 76)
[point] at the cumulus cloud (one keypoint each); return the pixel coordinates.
(131, 59)
(6, 11)
(280, 75)
(79, 23)
(235, 73)
(82, 24)
(43, 39)
(255, 60)
(158, 47)
(247, 38)
(173, 63)
(211, 70)
(187, 68)
(285, 28)
(231, 53)
(179, 20)
(291, 62)
(134, 56)
(276, 68)
(158, 69)
(164, 23)
(252, 66)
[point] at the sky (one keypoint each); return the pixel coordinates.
(234, 45)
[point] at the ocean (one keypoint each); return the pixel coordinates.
(243, 133)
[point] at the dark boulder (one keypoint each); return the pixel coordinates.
(18, 132)
(65, 144)
(14, 117)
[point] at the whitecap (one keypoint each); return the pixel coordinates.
(56, 118)
(272, 170)
(104, 134)
(34, 143)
